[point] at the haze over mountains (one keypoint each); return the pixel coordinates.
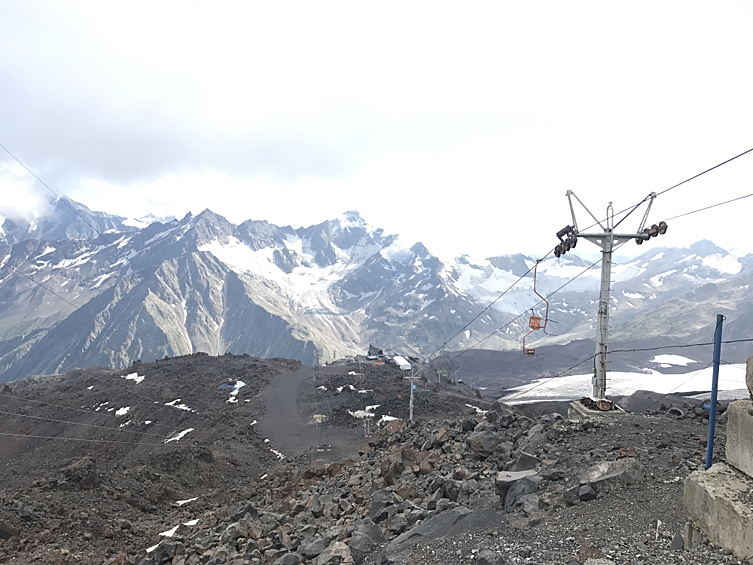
(87, 288)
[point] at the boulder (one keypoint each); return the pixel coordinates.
(394, 426)
(365, 539)
(523, 462)
(469, 424)
(315, 506)
(7, 532)
(533, 439)
(442, 436)
(240, 509)
(488, 557)
(467, 488)
(233, 532)
(337, 552)
(529, 503)
(483, 443)
(288, 559)
(315, 547)
(519, 489)
(381, 502)
(608, 474)
(406, 490)
(425, 467)
(586, 492)
(455, 522)
(82, 473)
(452, 489)
(392, 467)
(570, 495)
(505, 479)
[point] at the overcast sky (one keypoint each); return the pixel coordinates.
(461, 125)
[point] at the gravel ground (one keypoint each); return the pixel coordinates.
(635, 524)
(77, 502)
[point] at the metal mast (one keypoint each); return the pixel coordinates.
(321, 419)
(608, 241)
(412, 379)
(412, 388)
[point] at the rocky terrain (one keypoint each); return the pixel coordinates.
(470, 481)
(90, 461)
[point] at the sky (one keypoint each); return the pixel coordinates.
(458, 125)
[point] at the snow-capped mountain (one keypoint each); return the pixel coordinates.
(67, 219)
(699, 282)
(116, 293)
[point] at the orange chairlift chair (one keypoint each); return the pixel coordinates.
(535, 322)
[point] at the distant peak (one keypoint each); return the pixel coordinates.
(147, 220)
(352, 218)
(706, 247)
(213, 219)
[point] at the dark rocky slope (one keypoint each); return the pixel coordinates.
(438, 491)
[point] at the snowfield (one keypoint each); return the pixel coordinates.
(731, 384)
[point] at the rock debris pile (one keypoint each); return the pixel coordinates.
(485, 484)
(493, 489)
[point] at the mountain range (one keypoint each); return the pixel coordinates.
(83, 288)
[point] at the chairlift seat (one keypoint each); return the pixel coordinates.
(535, 323)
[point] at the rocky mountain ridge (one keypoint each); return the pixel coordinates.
(84, 288)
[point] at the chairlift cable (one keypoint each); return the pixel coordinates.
(709, 207)
(629, 211)
(488, 306)
(25, 400)
(631, 208)
(82, 439)
(546, 380)
(526, 310)
(119, 430)
(620, 245)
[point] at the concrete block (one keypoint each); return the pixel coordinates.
(576, 412)
(740, 435)
(692, 537)
(718, 504)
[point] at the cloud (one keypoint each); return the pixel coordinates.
(459, 127)
(24, 198)
(128, 100)
(68, 140)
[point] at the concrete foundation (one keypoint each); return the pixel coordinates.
(576, 412)
(740, 436)
(719, 503)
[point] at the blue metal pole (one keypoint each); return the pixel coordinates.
(714, 388)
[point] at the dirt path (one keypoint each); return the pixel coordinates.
(289, 425)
